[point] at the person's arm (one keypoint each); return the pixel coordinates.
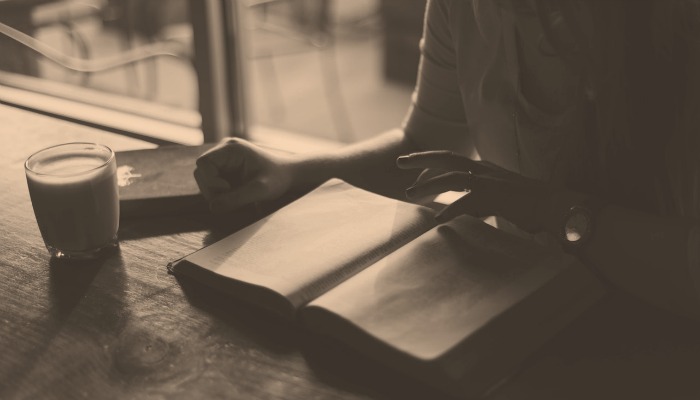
(237, 172)
(652, 257)
(436, 119)
(655, 258)
(647, 255)
(370, 165)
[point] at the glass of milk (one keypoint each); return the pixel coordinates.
(74, 193)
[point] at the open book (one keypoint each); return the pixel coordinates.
(458, 305)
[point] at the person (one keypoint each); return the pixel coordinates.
(537, 108)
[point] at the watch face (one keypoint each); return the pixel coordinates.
(578, 225)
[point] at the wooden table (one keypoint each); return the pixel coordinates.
(123, 328)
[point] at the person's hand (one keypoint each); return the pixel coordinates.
(491, 190)
(236, 173)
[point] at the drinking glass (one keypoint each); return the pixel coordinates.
(74, 193)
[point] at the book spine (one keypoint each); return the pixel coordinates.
(416, 228)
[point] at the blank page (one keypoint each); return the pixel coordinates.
(432, 294)
(311, 245)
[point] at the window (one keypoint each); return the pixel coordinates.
(340, 70)
(188, 71)
(133, 66)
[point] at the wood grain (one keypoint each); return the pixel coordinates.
(122, 327)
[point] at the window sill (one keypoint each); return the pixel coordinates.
(131, 117)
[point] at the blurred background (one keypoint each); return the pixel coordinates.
(337, 69)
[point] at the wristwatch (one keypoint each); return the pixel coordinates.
(578, 223)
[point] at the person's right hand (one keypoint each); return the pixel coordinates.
(236, 173)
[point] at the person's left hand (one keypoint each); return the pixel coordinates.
(491, 190)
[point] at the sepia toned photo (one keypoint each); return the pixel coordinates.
(350, 199)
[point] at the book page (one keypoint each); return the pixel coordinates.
(432, 294)
(311, 245)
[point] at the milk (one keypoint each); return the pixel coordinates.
(75, 199)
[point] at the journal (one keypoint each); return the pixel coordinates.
(459, 305)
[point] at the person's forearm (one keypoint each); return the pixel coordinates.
(370, 164)
(646, 255)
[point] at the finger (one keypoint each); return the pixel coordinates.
(210, 185)
(471, 204)
(205, 159)
(451, 181)
(427, 174)
(206, 168)
(226, 156)
(251, 192)
(441, 159)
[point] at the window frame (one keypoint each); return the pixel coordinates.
(218, 60)
(218, 64)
